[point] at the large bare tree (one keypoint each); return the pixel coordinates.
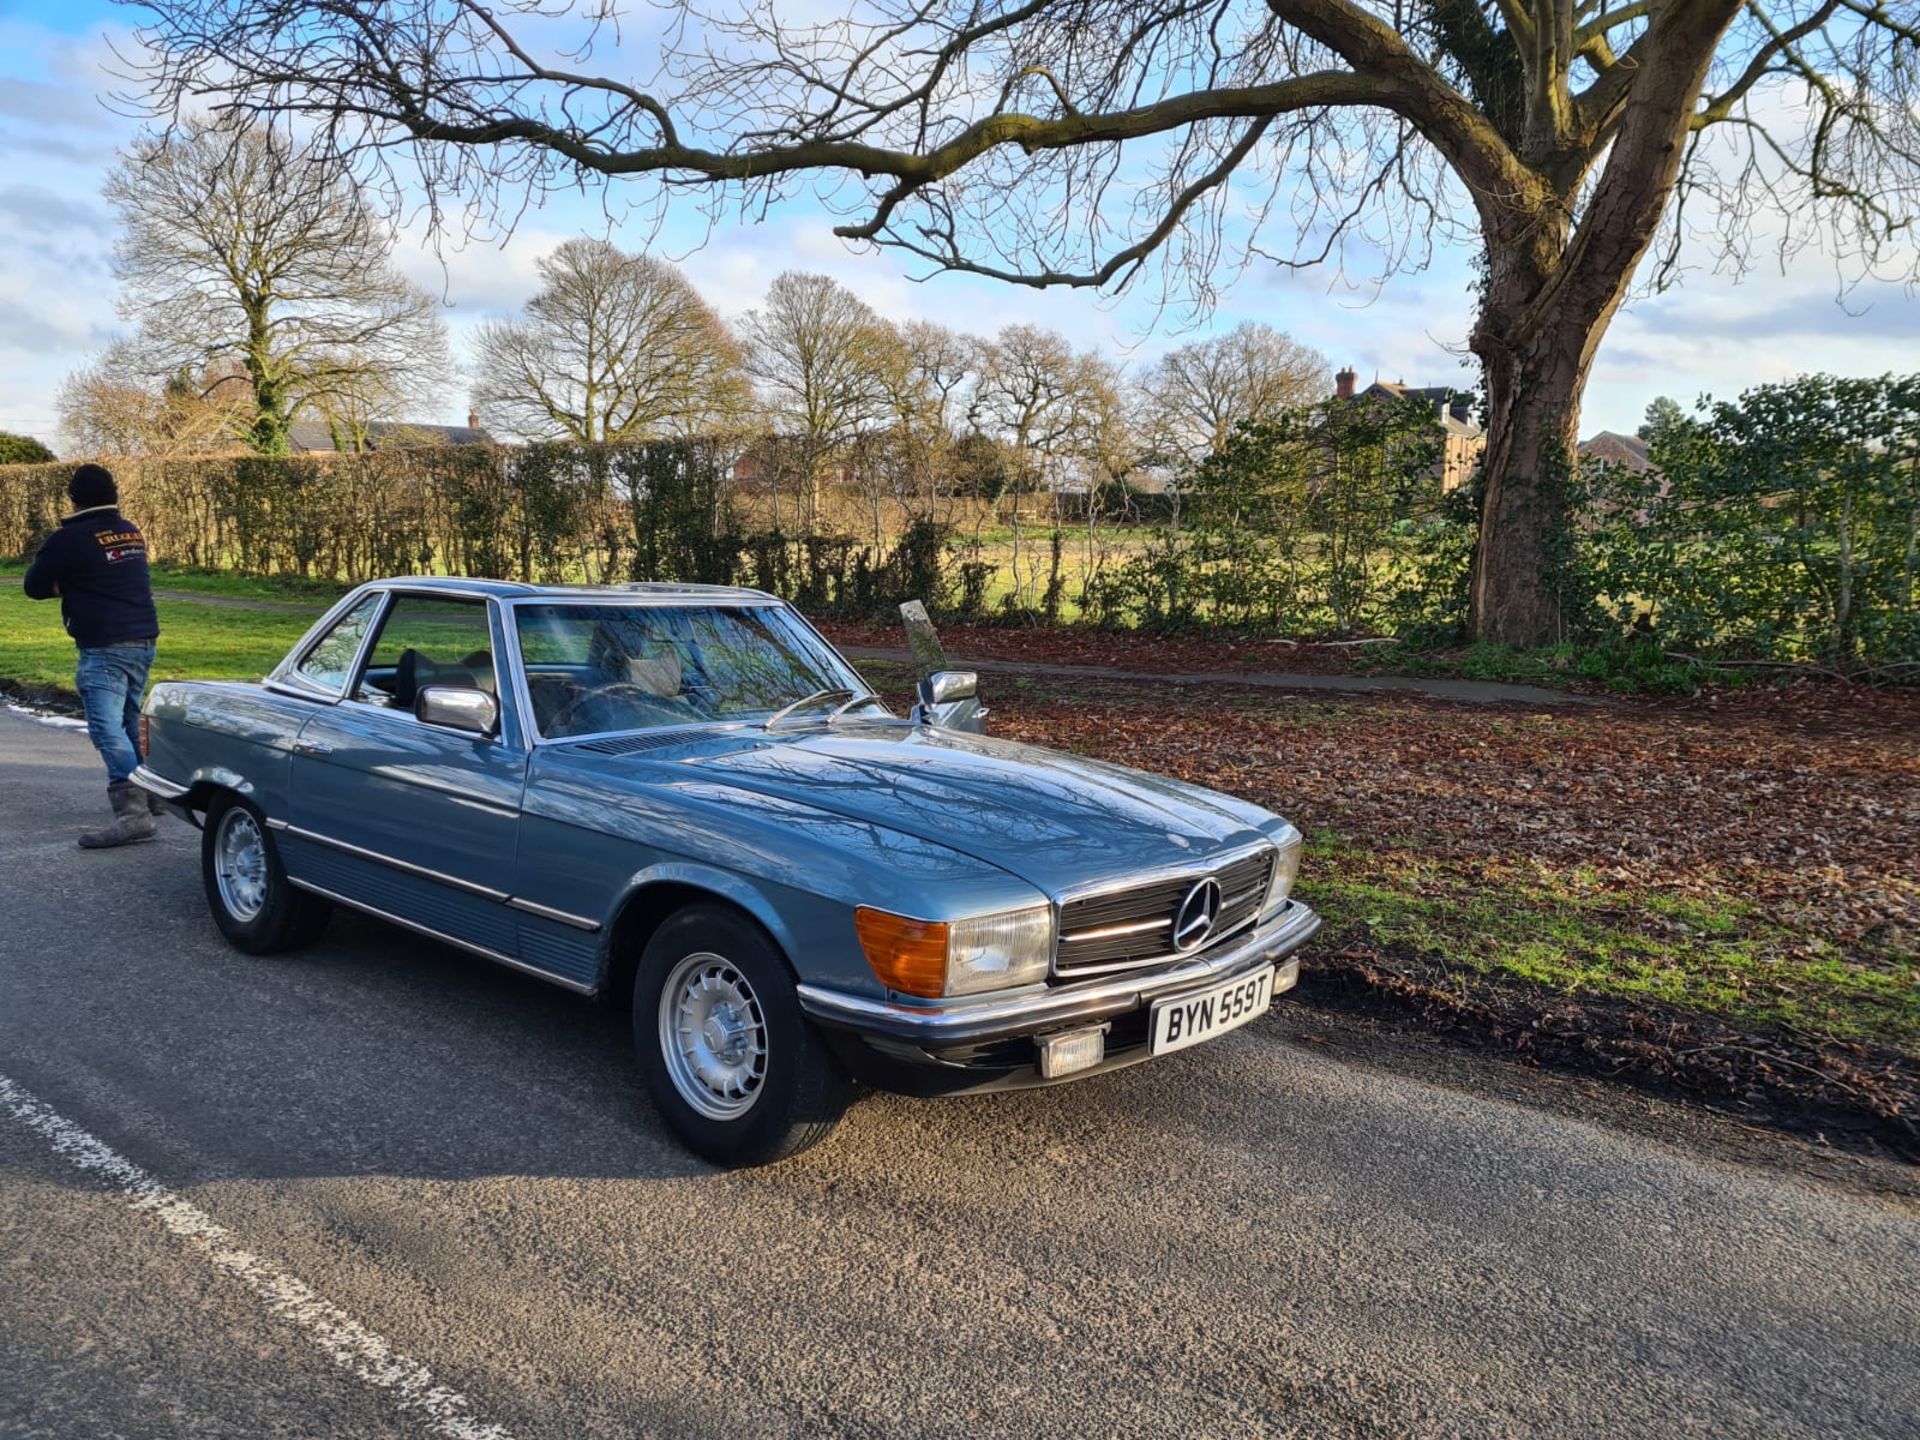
(615, 346)
(1045, 405)
(1036, 396)
(243, 250)
(1069, 142)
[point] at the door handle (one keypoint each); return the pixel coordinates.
(312, 747)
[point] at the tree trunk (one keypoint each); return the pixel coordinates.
(1551, 292)
(1533, 412)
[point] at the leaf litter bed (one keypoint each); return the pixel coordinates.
(1717, 899)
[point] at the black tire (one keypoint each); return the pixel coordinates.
(801, 1092)
(286, 917)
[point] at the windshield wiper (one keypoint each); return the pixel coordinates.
(807, 702)
(850, 704)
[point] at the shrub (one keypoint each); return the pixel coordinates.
(23, 450)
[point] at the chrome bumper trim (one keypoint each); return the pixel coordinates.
(155, 784)
(1036, 1009)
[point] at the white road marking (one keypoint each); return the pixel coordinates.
(344, 1340)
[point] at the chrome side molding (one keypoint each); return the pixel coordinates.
(414, 925)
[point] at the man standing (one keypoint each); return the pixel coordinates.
(96, 563)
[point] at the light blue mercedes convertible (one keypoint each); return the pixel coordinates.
(682, 798)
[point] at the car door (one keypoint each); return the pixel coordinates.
(415, 821)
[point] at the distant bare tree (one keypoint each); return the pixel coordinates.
(928, 386)
(1032, 394)
(615, 346)
(941, 364)
(1195, 394)
(244, 250)
(1043, 403)
(110, 407)
(822, 361)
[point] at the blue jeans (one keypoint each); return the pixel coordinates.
(111, 680)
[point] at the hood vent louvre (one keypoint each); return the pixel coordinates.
(645, 740)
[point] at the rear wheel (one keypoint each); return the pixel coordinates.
(256, 907)
(732, 1064)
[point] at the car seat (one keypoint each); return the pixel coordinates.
(415, 672)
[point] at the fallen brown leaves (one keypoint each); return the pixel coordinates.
(1803, 804)
(1811, 809)
(1119, 649)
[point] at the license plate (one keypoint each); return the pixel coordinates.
(1190, 1019)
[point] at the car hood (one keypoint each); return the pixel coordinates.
(1055, 820)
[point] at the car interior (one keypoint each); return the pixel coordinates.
(427, 642)
(612, 689)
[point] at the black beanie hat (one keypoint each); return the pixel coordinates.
(92, 485)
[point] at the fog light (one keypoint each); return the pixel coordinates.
(1072, 1052)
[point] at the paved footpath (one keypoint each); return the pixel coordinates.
(382, 1189)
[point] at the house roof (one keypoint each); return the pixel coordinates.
(1455, 417)
(1612, 448)
(313, 435)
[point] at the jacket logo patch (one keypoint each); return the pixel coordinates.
(118, 545)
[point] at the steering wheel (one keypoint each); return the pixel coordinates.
(559, 720)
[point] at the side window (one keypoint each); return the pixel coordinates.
(428, 640)
(329, 661)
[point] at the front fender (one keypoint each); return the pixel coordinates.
(726, 884)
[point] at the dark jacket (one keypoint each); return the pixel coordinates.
(97, 563)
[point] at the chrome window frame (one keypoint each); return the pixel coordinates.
(287, 677)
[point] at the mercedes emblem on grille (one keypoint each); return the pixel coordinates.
(1193, 922)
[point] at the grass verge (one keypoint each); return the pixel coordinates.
(197, 641)
(1574, 932)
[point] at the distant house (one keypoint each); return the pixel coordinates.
(317, 435)
(1463, 439)
(1610, 447)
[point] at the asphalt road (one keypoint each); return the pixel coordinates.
(383, 1189)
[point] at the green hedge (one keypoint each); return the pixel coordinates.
(1784, 527)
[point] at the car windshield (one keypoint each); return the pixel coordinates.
(595, 668)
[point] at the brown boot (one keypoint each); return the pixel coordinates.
(131, 821)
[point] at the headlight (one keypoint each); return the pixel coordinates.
(1286, 867)
(957, 957)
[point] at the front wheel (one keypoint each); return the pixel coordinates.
(256, 907)
(731, 1063)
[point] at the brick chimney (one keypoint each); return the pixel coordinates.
(473, 417)
(1343, 380)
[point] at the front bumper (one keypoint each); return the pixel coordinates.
(983, 1042)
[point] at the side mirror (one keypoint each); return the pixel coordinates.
(455, 707)
(943, 687)
(947, 698)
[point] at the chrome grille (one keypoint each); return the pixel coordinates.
(1117, 929)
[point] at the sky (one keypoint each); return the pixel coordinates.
(1716, 333)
